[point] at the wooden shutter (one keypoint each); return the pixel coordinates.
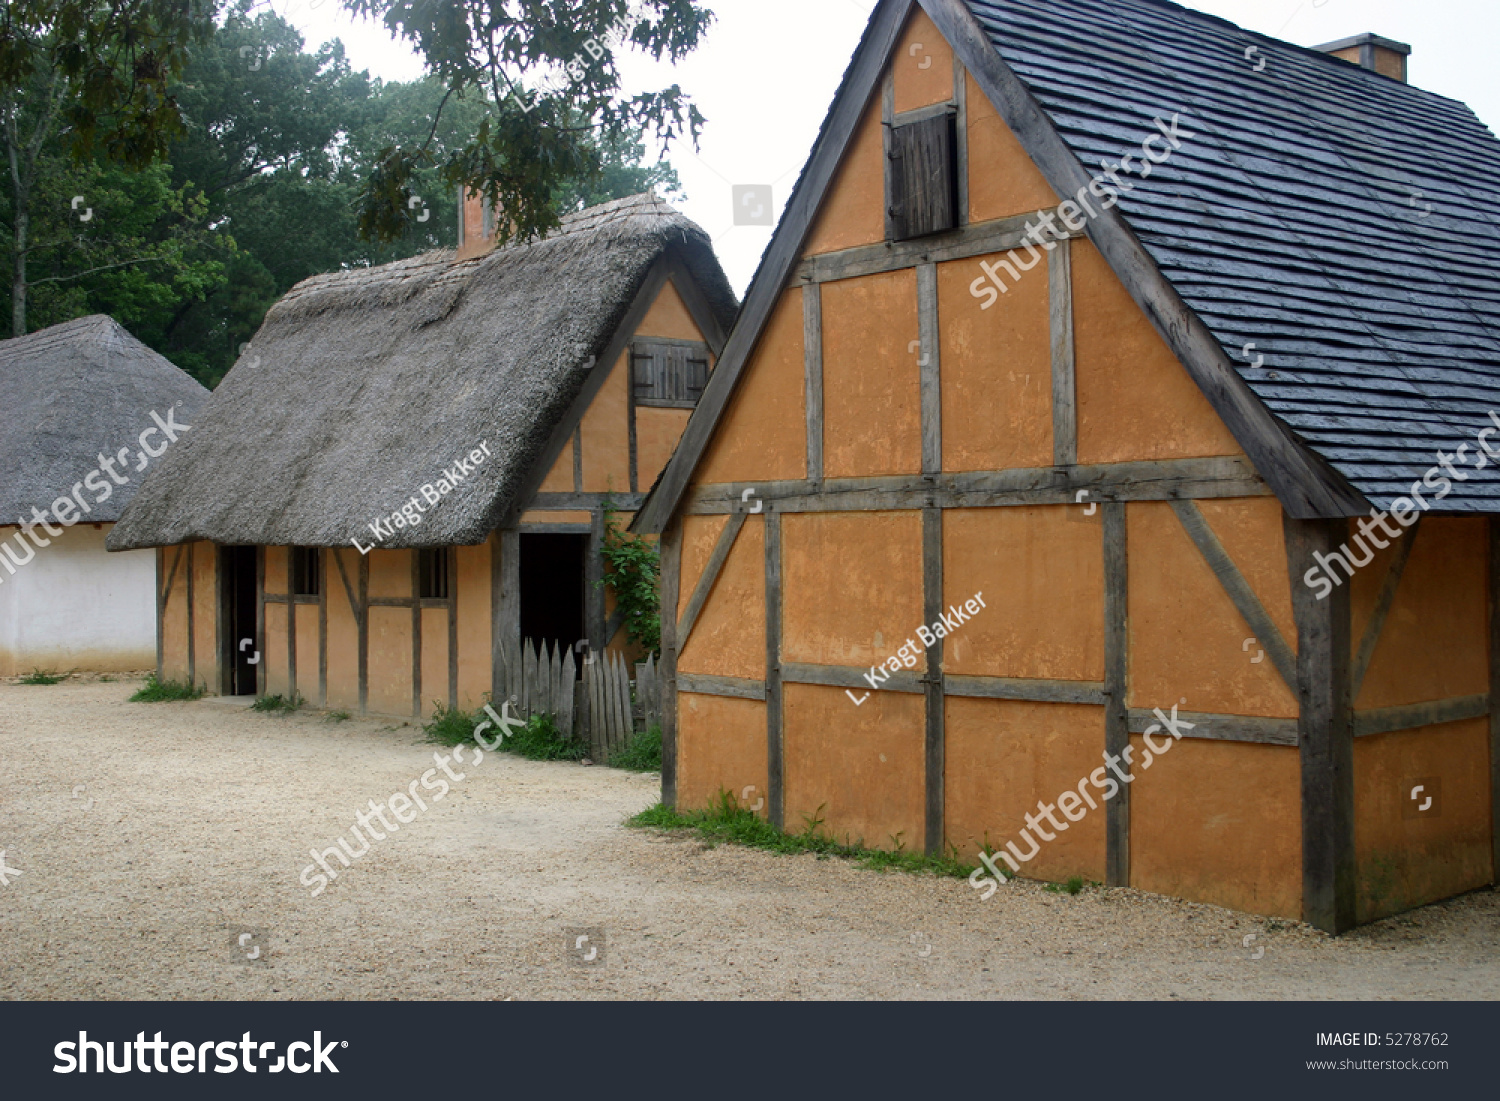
(922, 178)
(669, 374)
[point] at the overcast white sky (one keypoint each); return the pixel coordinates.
(768, 69)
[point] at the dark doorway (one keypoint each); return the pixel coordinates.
(552, 588)
(238, 593)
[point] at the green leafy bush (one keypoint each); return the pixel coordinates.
(632, 568)
(36, 676)
(160, 691)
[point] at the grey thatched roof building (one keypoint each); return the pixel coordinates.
(71, 393)
(363, 385)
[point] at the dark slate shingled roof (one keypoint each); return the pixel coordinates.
(362, 386)
(1297, 219)
(72, 392)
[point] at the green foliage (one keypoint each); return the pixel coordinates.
(279, 704)
(632, 568)
(538, 740)
(641, 754)
(548, 75)
(1072, 886)
(727, 821)
(159, 691)
(336, 717)
(36, 676)
(451, 726)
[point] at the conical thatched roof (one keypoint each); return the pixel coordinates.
(72, 392)
(364, 385)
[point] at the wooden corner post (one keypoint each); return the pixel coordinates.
(1325, 729)
(1494, 587)
(671, 581)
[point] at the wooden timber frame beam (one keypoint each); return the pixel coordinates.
(1325, 730)
(1494, 700)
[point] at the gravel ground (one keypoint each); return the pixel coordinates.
(152, 837)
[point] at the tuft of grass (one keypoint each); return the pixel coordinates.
(641, 754)
(160, 691)
(336, 717)
(279, 704)
(538, 740)
(452, 726)
(36, 676)
(728, 822)
(1072, 886)
(106, 680)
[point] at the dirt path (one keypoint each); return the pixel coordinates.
(151, 836)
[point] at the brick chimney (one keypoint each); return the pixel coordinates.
(1370, 51)
(476, 226)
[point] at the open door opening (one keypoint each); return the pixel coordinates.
(552, 588)
(238, 594)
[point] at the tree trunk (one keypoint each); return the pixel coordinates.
(18, 269)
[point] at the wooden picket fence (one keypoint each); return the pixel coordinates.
(603, 709)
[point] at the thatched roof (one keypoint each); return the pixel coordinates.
(72, 392)
(364, 385)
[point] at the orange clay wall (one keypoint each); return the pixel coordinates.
(1434, 646)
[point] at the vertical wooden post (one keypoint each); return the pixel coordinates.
(578, 457)
(260, 621)
(593, 573)
(671, 581)
(812, 364)
(505, 590)
(1064, 390)
(416, 633)
(192, 652)
(775, 795)
(1494, 587)
(161, 611)
(223, 649)
(1116, 687)
(325, 578)
(451, 556)
(364, 634)
(1324, 730)
(932, 602)
(630, 419)
(928, 370)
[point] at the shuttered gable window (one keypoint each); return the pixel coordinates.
(922, 177)
(667, 373)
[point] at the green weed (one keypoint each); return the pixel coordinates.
(538, 740)
(726, 821)
(161, 691)
(279, 704)
(641, 754)
(36, 676)
(336, 717)
(1074, 884)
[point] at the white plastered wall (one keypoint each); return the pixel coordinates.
(76, 606)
